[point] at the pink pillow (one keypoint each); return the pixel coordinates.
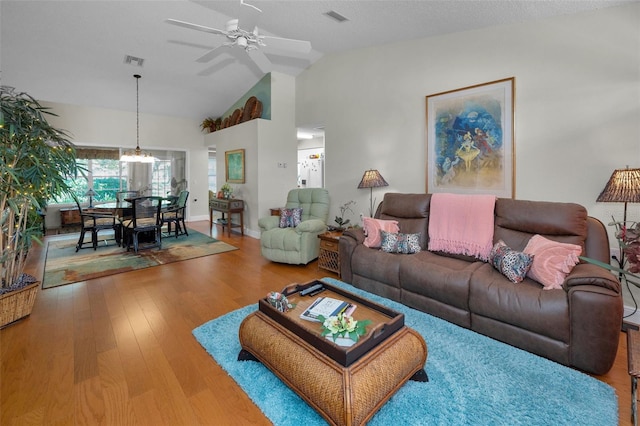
(372, 228)
(552, 261)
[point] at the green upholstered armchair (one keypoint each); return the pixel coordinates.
(298, 245)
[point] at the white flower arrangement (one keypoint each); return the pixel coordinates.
(343, 325)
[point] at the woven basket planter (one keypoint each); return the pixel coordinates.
(17, 304)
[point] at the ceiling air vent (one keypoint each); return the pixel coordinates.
(132, 60)
(336, 16)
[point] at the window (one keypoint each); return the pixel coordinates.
(212, 172)
(106, 175)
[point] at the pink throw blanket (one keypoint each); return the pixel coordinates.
(462, 224)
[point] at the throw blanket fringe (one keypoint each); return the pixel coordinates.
(462, 224)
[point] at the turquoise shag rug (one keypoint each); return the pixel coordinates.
(473, 380)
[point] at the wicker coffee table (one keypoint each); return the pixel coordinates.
(345, 385)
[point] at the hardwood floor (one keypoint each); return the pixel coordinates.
(119, 350)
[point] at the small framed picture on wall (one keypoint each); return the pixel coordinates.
(234, 166)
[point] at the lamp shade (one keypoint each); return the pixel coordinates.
(623, 187)
(90, 193)
(372, 179)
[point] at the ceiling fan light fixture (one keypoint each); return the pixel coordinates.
(242, 41)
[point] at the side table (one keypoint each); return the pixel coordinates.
(329, 256)
(228, 206)
(633, 358)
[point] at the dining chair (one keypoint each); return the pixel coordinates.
(176, 214)
(95, 222)
(145, 224)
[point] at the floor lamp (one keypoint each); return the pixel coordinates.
(372, 179)
(623, 187)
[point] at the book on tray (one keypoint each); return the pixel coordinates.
(327, 307)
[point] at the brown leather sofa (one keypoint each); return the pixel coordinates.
(578, 326)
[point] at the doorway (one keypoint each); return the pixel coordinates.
(311, 158)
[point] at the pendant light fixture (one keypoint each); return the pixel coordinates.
(137, 155)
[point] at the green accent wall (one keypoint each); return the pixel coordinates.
(262, 91)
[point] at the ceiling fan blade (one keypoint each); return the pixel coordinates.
(287, 44)
(216, 67)
(195, 27)
(260, 59)
(207, 57)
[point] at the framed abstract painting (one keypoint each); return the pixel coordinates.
(470, 140)
(234, 166)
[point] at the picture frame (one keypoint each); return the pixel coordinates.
(234, 166)
(470, 140)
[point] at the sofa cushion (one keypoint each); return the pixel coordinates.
(397, 242)
(290, 218)
(511, 263)
(552, 261)
(376, 265)
(410, 210)
(518, 220)
(525, 305)
(437, 277)
(372, 228)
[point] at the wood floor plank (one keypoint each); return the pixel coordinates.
(118, 408)
(119, 350)
(89, 403)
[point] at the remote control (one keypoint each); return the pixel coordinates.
(320, 290)
(311, 289)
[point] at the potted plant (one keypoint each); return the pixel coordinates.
(340, 220)
(35, 160)
(227, 191)
(209, 124)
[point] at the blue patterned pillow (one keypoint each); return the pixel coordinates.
(290, 218)
(400, 243)
(512, 264)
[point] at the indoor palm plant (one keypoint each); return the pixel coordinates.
(36, 159)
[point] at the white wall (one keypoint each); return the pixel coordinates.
(113, 128)
(577, 105)
(266, 143)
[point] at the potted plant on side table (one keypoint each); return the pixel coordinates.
(35, 160)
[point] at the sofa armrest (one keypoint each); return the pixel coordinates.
(350, 239)
(268, 222)
(355, 233)
(311, 225)
(592, 275)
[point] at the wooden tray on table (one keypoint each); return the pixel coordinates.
(384, 321)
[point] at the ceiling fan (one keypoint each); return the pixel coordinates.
(251, 41)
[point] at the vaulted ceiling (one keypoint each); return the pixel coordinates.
(74, 51)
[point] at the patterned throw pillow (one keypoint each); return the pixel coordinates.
(290, 218)
(512, 264)
(400, 243)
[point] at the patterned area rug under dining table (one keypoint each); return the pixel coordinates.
(64, 265)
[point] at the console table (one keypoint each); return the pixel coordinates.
(229, 207)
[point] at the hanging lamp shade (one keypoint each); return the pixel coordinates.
(137, 155)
